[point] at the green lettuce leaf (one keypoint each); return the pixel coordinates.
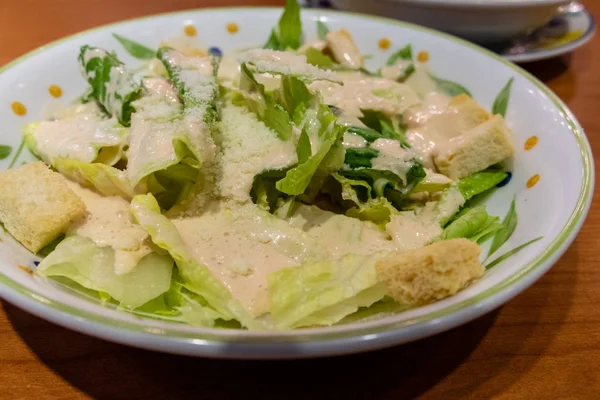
(288, 33)
(501, 103)
(107, 180)
(473, 224)
(93, 267)
(196, 277)
(323, 293)
(388, 128)
(326, 135)
(404, 54)
(195, 80)
(480, 182)
(508, 227)
(322, 30)
(137, 50)
(450, 88)
(112, 85)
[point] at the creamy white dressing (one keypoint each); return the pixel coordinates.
(78, 138)
(247, 148)
(339, 234)
(411, 231)
(396, 70)
(161, 87)
(108, 223)
(432, 126)
(352, 140)
(449, 204)
(343, 48)
(360, 91)
(312, 44)
(392, 157)
(229, 68)
(151, 147)
(242, 245)
(284, 62)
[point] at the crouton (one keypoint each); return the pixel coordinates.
(475, 150)
(430, 273)
(343, 48)
(469, 114)
(36, 206)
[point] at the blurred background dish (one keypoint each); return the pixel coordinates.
(480, 21)
(571, 28)
(511, 28)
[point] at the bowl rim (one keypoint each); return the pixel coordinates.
(482, 4)
(183, 339)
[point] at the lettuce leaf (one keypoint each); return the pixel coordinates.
(473, 224)
(480, 182)
(107, 180)
(325, 154)
(92, 267)
(323, 293)
(196, 277)
(85, 139)
(167, 150)
(388, 128)
(112, 85)
(288, 33)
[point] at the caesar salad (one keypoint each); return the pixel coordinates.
(279, 187)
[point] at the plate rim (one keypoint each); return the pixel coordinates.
(210, 341)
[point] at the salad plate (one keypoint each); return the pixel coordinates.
(208, 68)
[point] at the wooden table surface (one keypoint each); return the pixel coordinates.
(544, 344)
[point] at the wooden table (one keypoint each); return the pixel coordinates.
(544, 344)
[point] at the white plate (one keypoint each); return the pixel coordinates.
(555, 207)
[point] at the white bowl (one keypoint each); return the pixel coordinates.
(481, 21)
(555, 208)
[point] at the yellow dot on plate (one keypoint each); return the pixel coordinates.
(533, 180)
(18, 108)
(531, 142)
(25, 269)
(232, 27)
(190, 30)
(423, 56)
(55, 91)
(384, 43)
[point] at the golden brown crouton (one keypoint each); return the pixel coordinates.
(431, 273)
(344, 49)
(477, 149)
(36, 205)
(468, 113)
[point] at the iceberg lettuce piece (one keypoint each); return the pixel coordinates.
(167, 150)
(107, 180)
(323, 293)
(112, 85)
(80, 260)
(85, 139)
(196, 277)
